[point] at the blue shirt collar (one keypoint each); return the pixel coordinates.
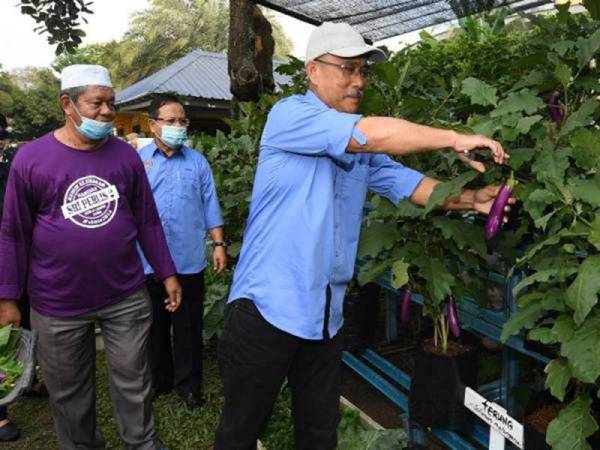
(178, 152)
(314, 98)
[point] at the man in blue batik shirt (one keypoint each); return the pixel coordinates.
(317, 160)
(185, 195)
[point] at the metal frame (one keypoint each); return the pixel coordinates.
(378, 371)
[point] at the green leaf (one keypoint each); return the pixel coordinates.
(370, 271)
(4, 334)
(526, 317)
(542, 222)
(509, 134)
(550, 163)
(439, 280)
(594, 237)
(564, 327)
(582, 294)
(534, 249)
(377, 237)
(562, 47)
(542, 276)
(408, 209)
(586, 190)
(525, 123)
(558, 376)
(399, 274)
(586, 148)
(463, 234)
(479, 92)
(583, 350)
(562, 73)
(524, 100)
(573, 426)
(535, 200)
(444, 190)
(579, 118)
(511, 120)
(519, 156)
(534, 78)
(374, 102)
(587, 48)
(543, 335)
(486, 126)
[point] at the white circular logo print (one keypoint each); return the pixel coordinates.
(90, 202)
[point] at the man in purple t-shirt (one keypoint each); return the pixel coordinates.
(77, 200)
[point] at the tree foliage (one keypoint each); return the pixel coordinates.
(33, 108)
(59, 19)
(98, 53)
(169, 30)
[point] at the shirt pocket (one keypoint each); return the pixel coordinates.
(355, 189)
(188, 185)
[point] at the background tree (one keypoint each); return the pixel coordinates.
(169, 30)
(35, 108)
(6, 89)
(97, 53)
(59, 19)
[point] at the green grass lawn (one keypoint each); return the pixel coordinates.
(181, 429)
(177, 427)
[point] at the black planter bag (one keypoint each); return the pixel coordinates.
(360, 318)
(438, 388)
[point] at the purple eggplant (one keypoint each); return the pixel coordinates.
(452, 317)
(554, 110)
(496, 216)
(405, 307)
(2, 377)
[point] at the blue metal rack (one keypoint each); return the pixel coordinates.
(378, 371)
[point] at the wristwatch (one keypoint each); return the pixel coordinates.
(219, 244)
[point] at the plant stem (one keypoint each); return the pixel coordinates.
(444, 332)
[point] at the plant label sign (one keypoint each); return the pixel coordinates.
(496, 417)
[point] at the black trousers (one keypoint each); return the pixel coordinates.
(254, 359)
(179, 364)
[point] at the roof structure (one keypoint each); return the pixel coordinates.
(381, 19)
(199, 74)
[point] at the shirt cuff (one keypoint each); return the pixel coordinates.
(214, 224)
(343, 125)
(407, 187)
(10, 292)
(360, 138)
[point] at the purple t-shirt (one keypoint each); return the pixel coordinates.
(70, 224)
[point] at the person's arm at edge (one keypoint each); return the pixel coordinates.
(480, 200)
(400, 137)
(15, 240)
(152, 239)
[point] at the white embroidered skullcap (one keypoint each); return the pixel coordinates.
(79, 75)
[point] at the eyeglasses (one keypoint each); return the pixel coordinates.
(349, 70)
(170, 121)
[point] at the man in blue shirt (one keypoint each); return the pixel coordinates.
(185, 195)
(317, 160)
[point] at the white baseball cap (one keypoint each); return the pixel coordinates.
(340, 39)
(78, 75)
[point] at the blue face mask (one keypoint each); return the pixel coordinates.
(173, 137)
(92, 129)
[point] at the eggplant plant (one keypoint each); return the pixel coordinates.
(544, 108)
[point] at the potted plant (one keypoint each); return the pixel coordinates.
(361, 306)
(439, 266)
